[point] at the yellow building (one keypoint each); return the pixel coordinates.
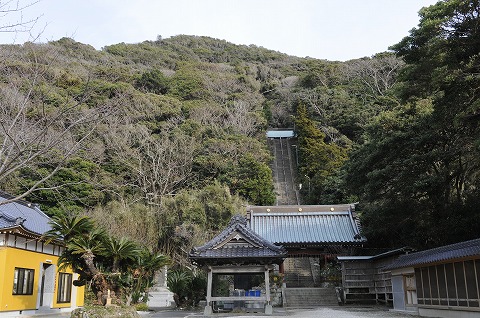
(30, 281)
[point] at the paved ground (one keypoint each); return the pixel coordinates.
(337, 312)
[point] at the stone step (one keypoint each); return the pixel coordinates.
(298, 281)
(310, 297)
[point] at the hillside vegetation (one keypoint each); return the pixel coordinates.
(163, 141)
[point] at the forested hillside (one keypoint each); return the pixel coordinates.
(164, 140)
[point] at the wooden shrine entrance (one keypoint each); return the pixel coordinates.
(249, 299)
(238, 251)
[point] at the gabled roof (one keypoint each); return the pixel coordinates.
(24, 215)
(440, 254)
(314, 225)
(237, 244)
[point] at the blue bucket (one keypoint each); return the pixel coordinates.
(257, 293)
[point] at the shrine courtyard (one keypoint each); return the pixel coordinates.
(337, 312)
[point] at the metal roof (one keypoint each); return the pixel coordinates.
(237, 243)
(24, 214)
(390, 253)
(280, 134)
(306, 225)
(440, 254)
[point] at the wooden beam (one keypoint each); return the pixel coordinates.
(242, 298)
(239, 269)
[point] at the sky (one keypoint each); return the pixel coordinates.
(324, 29)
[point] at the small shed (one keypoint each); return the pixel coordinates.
(439, 282)
(240, 252)
(366, 279)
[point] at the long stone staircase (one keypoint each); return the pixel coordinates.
(301, 274)
(284, 172)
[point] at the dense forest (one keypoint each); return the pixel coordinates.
(163, 141)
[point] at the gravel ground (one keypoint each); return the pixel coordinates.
(340, 312)
(346, 313)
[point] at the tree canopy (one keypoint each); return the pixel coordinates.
(164, 140)
(418, 169)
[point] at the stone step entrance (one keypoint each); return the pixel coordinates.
(309, 297)
(298, 272)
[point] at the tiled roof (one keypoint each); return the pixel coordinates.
(309, 225)
(439, 254)
(26, 215)
(237, 243)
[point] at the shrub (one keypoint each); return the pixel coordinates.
(189, 287)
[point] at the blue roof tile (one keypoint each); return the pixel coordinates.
(28, 215)
(439, 254)
(316, 225)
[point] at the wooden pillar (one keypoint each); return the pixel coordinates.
(268, 305)
(209, 306)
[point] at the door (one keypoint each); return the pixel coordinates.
(47, 285)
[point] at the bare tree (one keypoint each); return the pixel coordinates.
(13, 19)
(377, 74)
(242, 118)
(161, 163)
(33, 133)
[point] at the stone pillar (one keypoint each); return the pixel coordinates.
(208, 308)
(268, 305)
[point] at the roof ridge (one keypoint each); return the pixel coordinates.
(456, 246)
(26, 214)
(8, 196)
(239, 223)
(440, 253)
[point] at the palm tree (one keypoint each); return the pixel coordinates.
(87, 247)
(90, 252)
(144, 271)
(66, 227)
(178, 282)
(120, 250)
(75, 232)
(83, 250)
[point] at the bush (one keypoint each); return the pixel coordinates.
(141, 307)
(153, 81)
(189, 287)
(105, 312)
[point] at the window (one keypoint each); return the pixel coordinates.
(23, 281)
(64, 293)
